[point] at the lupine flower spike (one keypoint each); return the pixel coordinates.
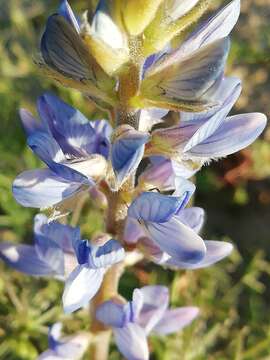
(168, 103)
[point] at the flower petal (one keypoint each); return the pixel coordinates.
(217, 27)
(175, 320)
(215, 251)
(225, 91)
(73, 346)
(133, 231)
(110, 253)
(42, 188)
(192, 217)
(30, 124)
(70, 128)
(178, 240)
(111, 314)
(80, 287)
(155, 303)
(132, 342)
(184, 80)
(160, 175)
(212, 123)
(150, 117)
(154, 207)
(127, 152)
(46, 244)
(236, 133)
(66, 11)
(24, 258)
(105, 25)
(64, 51)
(178, 8)
(63, 235)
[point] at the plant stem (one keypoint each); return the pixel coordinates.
(129, 83)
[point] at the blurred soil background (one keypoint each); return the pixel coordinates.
(234, 296)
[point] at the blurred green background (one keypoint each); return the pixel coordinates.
(234, 296)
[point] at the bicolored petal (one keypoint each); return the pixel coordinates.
(103, 134)
(177, 240)
(82, 250)
(212, 123)
(155, 303)
(185, 169)
(81, 286)
(154, 207)
(225, 93)
(193, 217)
(178, 82)
(24, 258)
(132, 308)
(42, 188)
(152, 251)
(132, 342)
(66, 11)
(215, 251)
(87, 170)
(45, 147)
(69, 127)
(30, 124)
(108, 254)
(133, 231)
(175, 319)
(217, 27)
(150, 117)
(106, 38)
(160, 176)
(50, 252)
(236, 133)
(65, 53)
(184, 189)
(106, 24)
(63, 235)
(111, 314)
(69, 347)
(127, 152)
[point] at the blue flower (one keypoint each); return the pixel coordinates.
(86, 279)
(158, 216)
(67, 59)
(51, 255)
(65, 348)
(147, 313)
(74, 149)
(201, 137)
(168, 234)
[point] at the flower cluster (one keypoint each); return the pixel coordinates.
(167, 117)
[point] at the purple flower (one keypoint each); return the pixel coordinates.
(65, 348)
(168, 234)
(183, 79)
(200, 137)
(74, 149)
(147, 313)
(86, 279)
(67, 59)
(127, 151)
(51, 255)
